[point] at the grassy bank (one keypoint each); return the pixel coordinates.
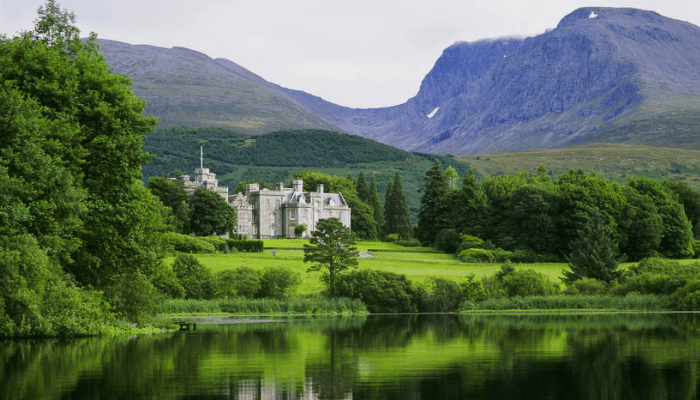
(339, 306)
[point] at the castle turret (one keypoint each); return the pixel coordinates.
(298, 185)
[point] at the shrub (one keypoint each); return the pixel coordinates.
(687, 298)
(511, 282)
(133, 297)
(186, 243)
(278, 282)
(193, 276)
(588, 286)
(299, 230)
(656, 275)
(470, 242)
(381, 291)
(484, 256)
(476, 256)
(526, 282)
(448, 240)
(471, 290)
(246, 245)
(219, 243)
(165, 280)
(240, 282)
(442, 295)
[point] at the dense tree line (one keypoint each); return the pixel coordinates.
(74, 215)
(295, 148)
(534, 213)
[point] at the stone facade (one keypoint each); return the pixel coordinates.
(275, 213)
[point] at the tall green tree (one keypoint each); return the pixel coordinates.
(210, 214)
(431, 215)
(396, 215)
(70, 160)
(376, 204)
(690, 199)
(331, 249)
(174, 196)
(362, 188)
(594, 253)
(677, 236)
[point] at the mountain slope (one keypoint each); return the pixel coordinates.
(599, 72)
(603, 75)
(184, 87)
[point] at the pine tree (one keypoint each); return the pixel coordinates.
(362, 189)
(593, 253)
(430, 215)
(376, 203)
(396, 216)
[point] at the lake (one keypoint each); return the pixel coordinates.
(583, 356)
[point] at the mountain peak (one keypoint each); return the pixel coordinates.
(610, 15)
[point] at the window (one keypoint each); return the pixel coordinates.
(292, 215)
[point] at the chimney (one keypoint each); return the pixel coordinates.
(298, 185)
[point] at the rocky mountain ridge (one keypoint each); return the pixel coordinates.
(603, 75)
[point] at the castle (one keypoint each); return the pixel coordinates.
(264, 214)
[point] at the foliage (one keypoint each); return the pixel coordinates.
(431, 218)
(194, 277)
(210, 214)
(441, 295)
(381, 291)
(586, 286)
(242, 282)
(690, 199)
(656, 275)
(593, 254)
(134, 297)
(338, 305)
(278, 283)
(246, 245)
(376, 204)
(471, 290)
(331, 249)
(186, 243)
(677, 234)
(448, 240)
(511, 281)
(165, 280)
(575, 302)
(38, 299)
(484, 256)
(299, 230)
(70, 167)
(687, 298)
(173, 195)
(396, 217)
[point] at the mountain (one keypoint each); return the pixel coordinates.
(614, 75)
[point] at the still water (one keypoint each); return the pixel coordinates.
(601, 356)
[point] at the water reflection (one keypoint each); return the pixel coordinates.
(606, 356)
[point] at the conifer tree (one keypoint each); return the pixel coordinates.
(362, 189)
(376, 203)
(431, 218)
(396, 216)
(593, 253)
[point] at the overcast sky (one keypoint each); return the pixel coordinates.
(356, 53)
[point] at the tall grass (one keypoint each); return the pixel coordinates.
(263, 306)
(632, 302)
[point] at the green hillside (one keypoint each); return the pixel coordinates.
(614, 161)
(274, 157)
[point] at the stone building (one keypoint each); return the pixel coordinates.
(273, 213)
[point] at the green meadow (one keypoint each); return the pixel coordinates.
(419, 264)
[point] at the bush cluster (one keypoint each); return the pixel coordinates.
(192, 280)
(246, 245)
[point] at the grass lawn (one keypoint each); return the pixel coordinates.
(418, 264)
